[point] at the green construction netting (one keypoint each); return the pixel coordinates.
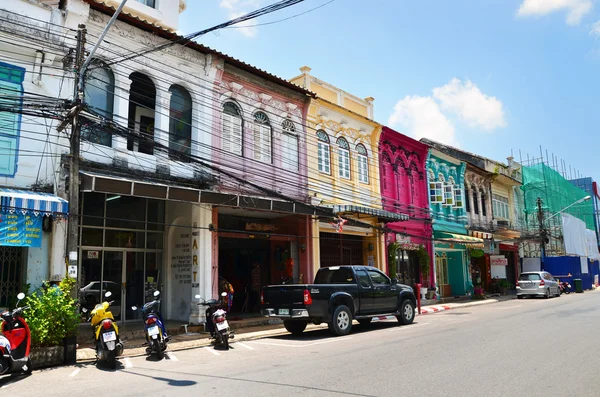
(556, 192)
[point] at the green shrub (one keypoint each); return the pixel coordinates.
(52, 314)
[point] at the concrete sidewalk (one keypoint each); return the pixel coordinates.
(195, 338)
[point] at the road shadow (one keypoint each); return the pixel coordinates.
(105, 366)
(168, 381)
(6, 380)
(319, 334)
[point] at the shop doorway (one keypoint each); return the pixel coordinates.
(130, 276)
(245, 264)
(341, 249)
(407, 268)
(11, 274)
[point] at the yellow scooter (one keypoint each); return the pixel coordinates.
(106, 333)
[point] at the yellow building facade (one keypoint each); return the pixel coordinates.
(343, 174)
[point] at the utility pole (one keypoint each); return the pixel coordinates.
(73, 225)
(542, 233)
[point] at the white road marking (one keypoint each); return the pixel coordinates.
(303, 345)
(508, 308)
(244, 345)
(171, 357)
(75, 372)
(128, 363)
(213, 351)
(407, 327)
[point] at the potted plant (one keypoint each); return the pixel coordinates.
(504, 286)
(54, 320)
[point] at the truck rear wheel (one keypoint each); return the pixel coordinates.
(341, 322)
(407, 312)
(295, 327)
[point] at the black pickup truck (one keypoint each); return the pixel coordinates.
(339, 295)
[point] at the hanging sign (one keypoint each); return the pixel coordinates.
(498, 260)
(18, 230)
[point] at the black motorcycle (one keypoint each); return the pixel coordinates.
(216, 321)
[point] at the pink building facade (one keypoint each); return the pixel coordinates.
(404, 190)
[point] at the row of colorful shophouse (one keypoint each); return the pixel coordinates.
(240, 179)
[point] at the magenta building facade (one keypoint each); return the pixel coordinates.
(404, 190)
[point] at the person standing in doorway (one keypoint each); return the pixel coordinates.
(255, 286)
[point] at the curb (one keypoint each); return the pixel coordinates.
(204, 341)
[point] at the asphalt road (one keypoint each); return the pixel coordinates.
(531, 347)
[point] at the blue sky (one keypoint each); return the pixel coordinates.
(487, 76)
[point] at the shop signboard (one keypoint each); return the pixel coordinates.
(18, 230)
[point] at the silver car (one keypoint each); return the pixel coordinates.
(537, 284)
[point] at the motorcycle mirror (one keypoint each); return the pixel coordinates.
(134, 308)
(108, 294)
(156, 293)
(197, 296)
(20, 296)
(224, 294)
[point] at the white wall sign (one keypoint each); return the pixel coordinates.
(498, 266)
(72, 271)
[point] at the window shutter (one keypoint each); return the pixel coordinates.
(290, 151)
(9, 127)
(236, 135)
(266, 143)
(227, 135)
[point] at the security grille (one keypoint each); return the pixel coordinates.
(339, 249)
(10, 274)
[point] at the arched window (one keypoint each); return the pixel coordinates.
(142, 105)
(289, 146)
(343, 158)
(324, 152)
(180, 123)
(262, 138)
(99, 96)
(231, 136)
(363, 163)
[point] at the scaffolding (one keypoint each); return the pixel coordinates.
(547, 178)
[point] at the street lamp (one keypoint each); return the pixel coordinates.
(581, 200)
(543, 231)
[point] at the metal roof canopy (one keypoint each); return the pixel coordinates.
(91, 182)
(386, 215)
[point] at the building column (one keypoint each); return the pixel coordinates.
(479, 207)
(58, 248)
(488, 205)
(121, 107)
(161, 115)
(201, 247)
(469, 193)
(316, 249)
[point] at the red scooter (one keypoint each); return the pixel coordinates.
(15, 341)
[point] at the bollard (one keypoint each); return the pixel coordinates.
(419, 297)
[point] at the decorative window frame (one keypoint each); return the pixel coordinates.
(344, 166)
(231, 142)
(323, 147)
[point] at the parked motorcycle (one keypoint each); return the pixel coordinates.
(106, 333)
(15, 341)
(565, 287)
(216, 321)
(156, 336)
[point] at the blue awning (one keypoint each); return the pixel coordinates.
(32, 203)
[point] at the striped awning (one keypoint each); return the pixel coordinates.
(460, 238)
(32, 203)
(382, 214)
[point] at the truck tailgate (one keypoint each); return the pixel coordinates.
(284, 295)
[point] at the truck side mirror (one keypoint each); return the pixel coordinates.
(394, 281)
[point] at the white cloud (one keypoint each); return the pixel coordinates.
(595, 29)
(576, 9)
(430, 116)
(237, 8)
(422, 118)
(471, 105)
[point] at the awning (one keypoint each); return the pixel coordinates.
(32, 203)
(92, 182)
(386, 215)
(458, 238)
